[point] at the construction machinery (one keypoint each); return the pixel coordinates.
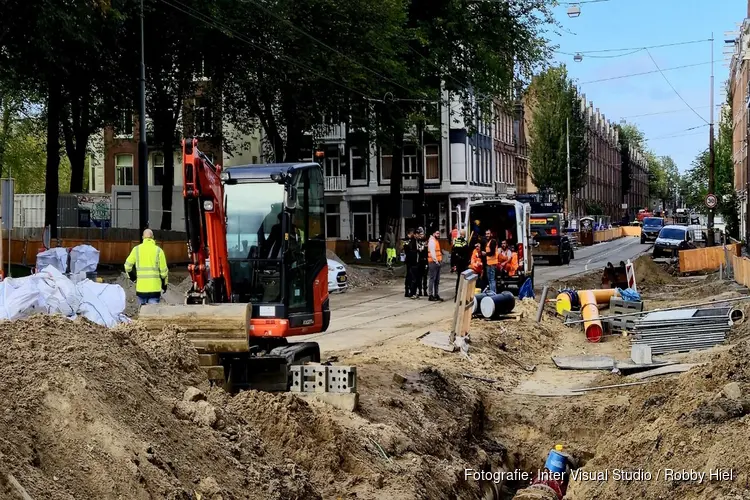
(256, 241)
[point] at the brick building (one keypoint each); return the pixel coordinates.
(603, 180)
(739, 84)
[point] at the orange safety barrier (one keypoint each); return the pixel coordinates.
(705, 259)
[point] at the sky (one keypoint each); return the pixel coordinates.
(622, 24)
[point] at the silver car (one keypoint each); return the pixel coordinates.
(671, 239)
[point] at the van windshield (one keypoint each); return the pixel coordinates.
(672, 233)
(498, 218)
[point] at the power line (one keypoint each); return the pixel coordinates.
(210, 21)
(682, 110)
(679, 133)
(568, 4)
(672, 87)
(332, 49)
(645, 73)
(675, 136)
(637, 49)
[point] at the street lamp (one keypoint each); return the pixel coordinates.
(578, 57)
(574, 10)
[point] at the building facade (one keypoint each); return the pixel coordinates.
(637, 197)
(602, 190)
(739, 84)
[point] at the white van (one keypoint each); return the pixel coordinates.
(509, 220)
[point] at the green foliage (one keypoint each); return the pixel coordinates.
(630, 138)
(556, 106)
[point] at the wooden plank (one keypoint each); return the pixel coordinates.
(703, 259)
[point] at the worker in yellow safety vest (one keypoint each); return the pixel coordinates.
(147, 267)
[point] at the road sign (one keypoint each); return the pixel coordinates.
(711, 200)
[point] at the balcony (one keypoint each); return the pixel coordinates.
(335, 183)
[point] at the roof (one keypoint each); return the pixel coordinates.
(265, 171)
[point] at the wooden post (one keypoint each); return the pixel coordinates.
(464, 305)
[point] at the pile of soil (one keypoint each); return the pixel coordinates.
(650, 276)
(95, 413)
(697, 421)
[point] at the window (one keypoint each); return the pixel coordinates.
(333, 221)
(203, 117)
(332, 166)
(157, 169)
(124, 170)
(432, 162)
(386, 164)
(124, 125)
(358, 165)
(409, 160)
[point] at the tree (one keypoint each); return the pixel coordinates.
(630, 138)
(556, 105)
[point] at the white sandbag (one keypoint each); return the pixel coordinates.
(83, 259)
(101, 303)
(57, 292)
(56, 257)
(19, 298)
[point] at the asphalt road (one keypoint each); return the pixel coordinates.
(370, 316)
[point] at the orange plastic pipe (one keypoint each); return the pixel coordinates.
(592, 326)
(602, 295)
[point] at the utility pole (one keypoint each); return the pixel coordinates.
(567, 145)
(142, 145)
(712, 156)
(747, 170)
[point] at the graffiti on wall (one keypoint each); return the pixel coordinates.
(99, 207)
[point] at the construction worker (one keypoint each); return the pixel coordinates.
(422, 263)
(410, 252)
(147, 267)
(504, 256)
(459, 257)
(390, 247)
(490, 253)
(435, 260)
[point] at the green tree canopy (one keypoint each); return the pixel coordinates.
(556, 106)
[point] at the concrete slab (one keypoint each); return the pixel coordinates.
(441, 340)
(341, 400)
(584, 362)
(641, 354)
(664, 370)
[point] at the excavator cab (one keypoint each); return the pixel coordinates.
(256, 239)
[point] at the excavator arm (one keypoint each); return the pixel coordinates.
(205, 224)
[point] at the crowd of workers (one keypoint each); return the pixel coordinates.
(489, 258)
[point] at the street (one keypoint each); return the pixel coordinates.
(369, 316)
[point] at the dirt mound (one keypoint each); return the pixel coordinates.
(651, 276)
(96, 413)
(697, 421)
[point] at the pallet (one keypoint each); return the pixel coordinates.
(618, 306)
(514, 316)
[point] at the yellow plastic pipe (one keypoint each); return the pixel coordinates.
(601, 296)
(592, 326)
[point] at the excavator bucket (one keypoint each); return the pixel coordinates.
(615, 276)
(219, 333)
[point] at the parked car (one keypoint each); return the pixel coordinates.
(337, 279)
(672, 239)
(650, 229)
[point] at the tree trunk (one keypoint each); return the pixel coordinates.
(166, 192)
(395, 197)
(52, 173)
(76, 132)
(5, 134)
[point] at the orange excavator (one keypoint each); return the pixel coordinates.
(256, 241)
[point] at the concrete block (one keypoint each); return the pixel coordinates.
(641, 354)
(321, 378)
(295, 371)
(309, 372)
(342, 379)
(340, 400)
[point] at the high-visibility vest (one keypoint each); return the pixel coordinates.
(476, 261)
(491, 259)
(150, 266)
(438, 252)
(513, 264)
